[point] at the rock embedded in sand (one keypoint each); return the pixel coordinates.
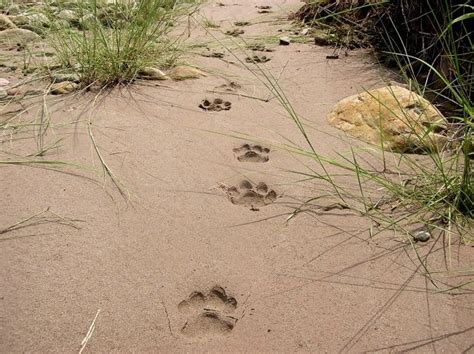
(64, 87)
(285, 41)
(4, 82)
(5, 22)
(59, 77)
(184, 72)
(421, 235)
(149, 73)
(403, 119)
(17, 36)
(3, 93)
(14, 92)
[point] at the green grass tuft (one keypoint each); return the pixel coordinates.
(113, 42)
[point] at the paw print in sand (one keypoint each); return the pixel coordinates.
(264, 9)
(250, 195)
(241, 23)
(235, 32)
(216, 105)
(209, 314)
(251, 153)
(257, 59)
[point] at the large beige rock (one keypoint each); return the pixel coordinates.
(184, 72)
(17, 36)
(5, 22)
(403, 119)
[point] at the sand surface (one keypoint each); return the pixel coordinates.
(189, 264)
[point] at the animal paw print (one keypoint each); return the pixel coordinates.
(230, 87)
(217, 105)
(235, 32)
(257, 59)
(209, 315)
(241, 23)
(264, 9)
(251, 153)
(250, 195)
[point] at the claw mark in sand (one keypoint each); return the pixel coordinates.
(250, 195)
(209, 314)
(251, 153)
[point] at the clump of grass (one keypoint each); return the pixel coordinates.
(114, 42)
(446, 75)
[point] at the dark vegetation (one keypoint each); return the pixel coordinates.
(438, 32)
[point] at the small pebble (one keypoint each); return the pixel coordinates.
(13, 92)
(285, 41)
(3, 93)
(421, 235)
(4, 82)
